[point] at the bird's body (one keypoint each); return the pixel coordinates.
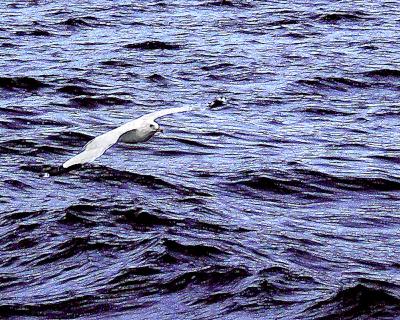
(135, 131)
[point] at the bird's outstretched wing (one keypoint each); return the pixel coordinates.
(157, 114)
(94, 148)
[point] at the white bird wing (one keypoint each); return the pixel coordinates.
(157, 114)
(96, 147)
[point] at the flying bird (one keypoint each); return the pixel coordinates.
(135, 131)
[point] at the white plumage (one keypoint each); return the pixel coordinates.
(138, 130)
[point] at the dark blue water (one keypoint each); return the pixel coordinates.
(282, 204)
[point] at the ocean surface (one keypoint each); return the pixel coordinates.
(282, 204)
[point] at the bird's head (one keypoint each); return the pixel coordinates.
(154, 127)
(146, 130)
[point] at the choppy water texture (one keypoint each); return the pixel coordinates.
(283, 204)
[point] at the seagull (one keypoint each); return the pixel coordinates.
(135, 131)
